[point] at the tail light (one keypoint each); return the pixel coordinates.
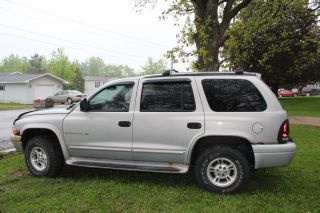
(78, 96)
(37, 100)
(283, 135)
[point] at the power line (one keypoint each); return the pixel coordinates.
(70, 27)
(54, 44)
(65, 40)
(84, 24)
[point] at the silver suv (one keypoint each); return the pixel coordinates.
(222, 124)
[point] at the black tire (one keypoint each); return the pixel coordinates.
(69, 101)
(53, 155)
(226, 157)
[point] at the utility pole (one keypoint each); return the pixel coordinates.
(172, 58)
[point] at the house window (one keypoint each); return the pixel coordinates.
(97, 84)
(2, 88)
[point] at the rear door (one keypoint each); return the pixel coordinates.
(168, 117)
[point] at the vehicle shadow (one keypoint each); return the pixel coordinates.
(261, 181)
(80, 173)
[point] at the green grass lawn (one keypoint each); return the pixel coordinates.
(6, 106)
(302, 106)
(289, 189)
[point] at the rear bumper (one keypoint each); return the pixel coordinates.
(273, 155)
(16, 140)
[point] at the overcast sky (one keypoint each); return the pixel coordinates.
(110, 29)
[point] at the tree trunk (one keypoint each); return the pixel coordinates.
(210, 29)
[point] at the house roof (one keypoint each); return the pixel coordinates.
(18, 77)
(98, 78)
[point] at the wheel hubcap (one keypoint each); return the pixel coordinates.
(38, 158)
(222, 172)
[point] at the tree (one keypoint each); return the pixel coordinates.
(206, 24)
(95, 66)
(36, 63)
(78, 81)
(119, 71)
(60, 65)
(280, 39)
(14, 63)
(153, 67)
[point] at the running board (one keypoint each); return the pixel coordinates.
(128, 165)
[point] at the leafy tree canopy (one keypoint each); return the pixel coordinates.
(14, 63)
(119, 71)
(60, 65)
(280, 39)
(153, 67)
(37, 63)
(206, 23)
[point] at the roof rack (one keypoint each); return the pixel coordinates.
(169, 72)
(175, 73)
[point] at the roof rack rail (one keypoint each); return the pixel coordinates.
(239, 71)
(169, 72)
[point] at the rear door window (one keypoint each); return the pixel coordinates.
(167, 97)
(233, 95)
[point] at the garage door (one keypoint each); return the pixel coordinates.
(43, 91)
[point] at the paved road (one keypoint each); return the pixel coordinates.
(6, 119)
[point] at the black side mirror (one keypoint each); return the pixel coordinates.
(84, 105)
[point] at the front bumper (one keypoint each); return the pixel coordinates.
(16, 140)
(273, 155)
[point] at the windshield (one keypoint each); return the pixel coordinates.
(75, 92)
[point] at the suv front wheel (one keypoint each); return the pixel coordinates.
(43, 157)
(222, 169)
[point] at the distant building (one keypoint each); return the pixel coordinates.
(91, 83)
(24, 88)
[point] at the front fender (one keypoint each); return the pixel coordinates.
(51, 127)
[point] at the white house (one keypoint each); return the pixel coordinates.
(91, 83)
(24, 88)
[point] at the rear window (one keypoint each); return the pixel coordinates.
(233, 95)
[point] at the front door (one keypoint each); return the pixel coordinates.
(105, 131)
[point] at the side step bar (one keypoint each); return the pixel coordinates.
(128, 165)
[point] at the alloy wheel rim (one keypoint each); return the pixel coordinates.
(222, 172)
(38, 158)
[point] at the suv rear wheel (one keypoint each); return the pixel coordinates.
(43, 157)
(222, 169)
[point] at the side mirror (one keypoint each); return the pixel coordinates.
(84, 105)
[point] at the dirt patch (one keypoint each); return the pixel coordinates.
(312, 121)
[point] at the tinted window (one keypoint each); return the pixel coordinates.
(112, 99)
(233, 95)
(167, 97)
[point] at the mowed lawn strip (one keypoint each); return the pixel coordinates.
(8, 106)
(301, 106)
(289, 189)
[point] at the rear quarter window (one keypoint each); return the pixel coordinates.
(233, 95)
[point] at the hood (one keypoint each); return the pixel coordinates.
(43, 112)
(48, 111)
